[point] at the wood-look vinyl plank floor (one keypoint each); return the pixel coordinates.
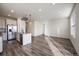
(64, 45)
(39, 47)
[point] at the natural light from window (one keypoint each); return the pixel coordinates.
(73, 25)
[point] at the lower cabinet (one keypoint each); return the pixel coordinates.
(21, 39)
(24, 38)
(1, 45)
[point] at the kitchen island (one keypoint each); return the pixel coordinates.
(24, 38)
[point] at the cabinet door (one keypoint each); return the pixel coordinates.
(27, 39)
(2, 23)
(1, 43)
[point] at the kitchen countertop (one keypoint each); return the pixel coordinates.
(24, 33)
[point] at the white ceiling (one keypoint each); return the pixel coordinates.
(49, 11)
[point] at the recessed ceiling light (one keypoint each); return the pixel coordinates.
(40, 10)
(9, 15)
(53, 3)
(12, 11)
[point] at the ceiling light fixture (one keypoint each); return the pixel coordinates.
(53, 3)
(9, 15)
(40, 10)
(12, 11)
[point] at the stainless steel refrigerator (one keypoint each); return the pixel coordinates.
(11, 32)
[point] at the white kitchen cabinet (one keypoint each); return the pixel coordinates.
(1, 45)
(27, 39)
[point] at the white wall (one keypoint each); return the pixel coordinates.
(32, 30)
(38, 28)
(75, 40)
(21, 26)
(57, 28)
(77, 28)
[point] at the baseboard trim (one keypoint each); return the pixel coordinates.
(11, 39)
(59, 37)
(37, 35)
(50, 36)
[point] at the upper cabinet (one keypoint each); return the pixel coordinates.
(2, 23)
(6, 21)
(11, 21)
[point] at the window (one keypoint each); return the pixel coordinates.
(73, 25)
